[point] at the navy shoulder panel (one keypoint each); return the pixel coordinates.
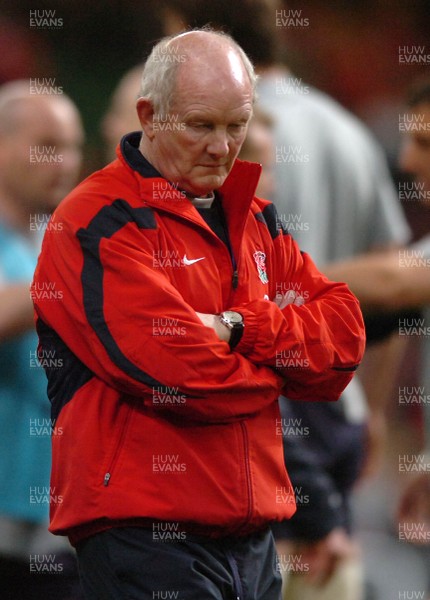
(269, 217)
(113, 217)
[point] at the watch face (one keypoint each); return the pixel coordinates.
(232, 316)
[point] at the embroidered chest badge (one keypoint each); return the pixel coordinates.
(260, 260)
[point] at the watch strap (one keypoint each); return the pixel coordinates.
(236, 335)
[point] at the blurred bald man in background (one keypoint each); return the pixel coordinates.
(41, 139)
(121, 116)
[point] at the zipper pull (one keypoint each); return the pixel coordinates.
(106, 479)
(235, 279)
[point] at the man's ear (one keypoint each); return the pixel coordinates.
(145, 112)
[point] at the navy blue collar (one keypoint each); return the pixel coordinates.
(134, 158)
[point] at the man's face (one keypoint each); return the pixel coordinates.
(259, 147)
(41, 159)
(415, 152)
(121, 117)
(195, 145)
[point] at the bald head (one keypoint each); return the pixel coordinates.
(200, 50)
(18, 106)
(203, 54)
(41, 139)
(209, 48)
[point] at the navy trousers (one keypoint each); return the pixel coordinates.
(134, 564)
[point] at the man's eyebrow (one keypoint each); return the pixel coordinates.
(422, 141)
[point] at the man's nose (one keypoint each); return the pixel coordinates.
(218, 144)
(408, 158)
(71, 160)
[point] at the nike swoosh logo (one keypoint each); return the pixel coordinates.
(188, 261)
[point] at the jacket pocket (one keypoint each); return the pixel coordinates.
(111, 464)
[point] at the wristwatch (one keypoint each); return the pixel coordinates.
(234, 321)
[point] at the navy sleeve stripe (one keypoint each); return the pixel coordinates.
(65, 372)
(105, 224)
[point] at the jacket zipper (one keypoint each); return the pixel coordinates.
(235, 276)
(108, 474)
(248, 471)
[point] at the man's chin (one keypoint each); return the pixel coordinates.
(205, 185)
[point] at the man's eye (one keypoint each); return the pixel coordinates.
(424, 143)
(236, 126)
(200, 125)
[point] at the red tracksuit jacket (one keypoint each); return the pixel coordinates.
(156, 419)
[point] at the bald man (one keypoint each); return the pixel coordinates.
(40, 155)
(121, 116)
(41, 140)
(176, 344)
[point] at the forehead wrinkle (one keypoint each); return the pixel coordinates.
(197, 87)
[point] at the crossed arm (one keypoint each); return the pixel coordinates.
(16, 310)
(384, 280)
(224, 333)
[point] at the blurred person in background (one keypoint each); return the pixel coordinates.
(335, 195)
(121, 116)
(259, 147)
(40, 157)
(393, 280)
(414, 505)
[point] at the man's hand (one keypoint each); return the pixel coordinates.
(290, 297)
(414, 505)
(376, 438)
(320, 558)
(16, 310)
(215, 323)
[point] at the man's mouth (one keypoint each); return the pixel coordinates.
(214, 166)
